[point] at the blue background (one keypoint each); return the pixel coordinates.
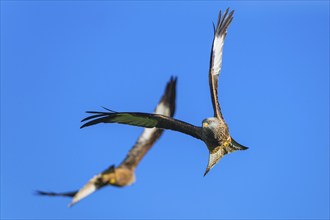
(59, 59)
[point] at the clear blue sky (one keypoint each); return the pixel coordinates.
(59, 59)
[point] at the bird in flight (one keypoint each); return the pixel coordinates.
(214, 131)
(124, 174)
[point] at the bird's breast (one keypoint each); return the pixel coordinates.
(216, 138)
(124, 177)
(211, 139)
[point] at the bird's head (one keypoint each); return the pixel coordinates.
(211, 123)
(214, 132)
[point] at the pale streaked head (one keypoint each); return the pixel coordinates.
(210, 123)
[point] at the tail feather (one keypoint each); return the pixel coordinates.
(216, 156)
(237, 146)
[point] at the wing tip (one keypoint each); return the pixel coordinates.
(206, 171)
(40, 193)
(49, 193)
(72, 203)
(169, 96)
(224, 22)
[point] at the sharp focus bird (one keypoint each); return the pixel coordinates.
(123, 175)
(214, 131)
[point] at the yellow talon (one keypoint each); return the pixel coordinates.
(112, 181)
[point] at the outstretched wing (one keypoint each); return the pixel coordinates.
(143, 120)
(216, 58)
(149, 136)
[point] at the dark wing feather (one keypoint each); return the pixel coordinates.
(149, 136)
(68, 194)
(216, 58)
(145, 120)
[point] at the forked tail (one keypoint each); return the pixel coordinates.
(217, 154)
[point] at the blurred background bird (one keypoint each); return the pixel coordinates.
(124, 174)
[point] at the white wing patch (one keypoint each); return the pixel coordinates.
(148, 132)
(85, 191)
(162, 109)
(217, 53)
